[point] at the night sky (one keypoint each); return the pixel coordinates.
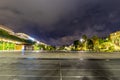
(59, 22)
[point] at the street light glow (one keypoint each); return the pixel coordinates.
(81, 40)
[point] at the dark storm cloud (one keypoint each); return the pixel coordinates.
(61, 21)
(45, 12)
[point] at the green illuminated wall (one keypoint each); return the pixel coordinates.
(6, 46)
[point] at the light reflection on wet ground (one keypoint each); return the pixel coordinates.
(60, 69)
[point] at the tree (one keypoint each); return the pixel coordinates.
(90, 44)
(62, 47)
(42, 47)
(95, 40)
(51, 48)
(76, 44)
(84, 37)
(101, 41)
(84, 42)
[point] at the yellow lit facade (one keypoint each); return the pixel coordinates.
(18, 47)
(115, 38)
(6, 44)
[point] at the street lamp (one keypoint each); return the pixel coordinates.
(38, 42)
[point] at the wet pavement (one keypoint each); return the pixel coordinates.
(59, 69)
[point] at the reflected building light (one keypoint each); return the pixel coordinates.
(107, 60)
(81, 59)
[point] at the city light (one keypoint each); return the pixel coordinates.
(33, 39)
(38, 42)
(81, 40)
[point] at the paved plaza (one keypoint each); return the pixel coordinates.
(59, 66)
(61, 69)
(59, 55)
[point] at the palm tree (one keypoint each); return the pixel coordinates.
(90, 44)
(84, 37)
(76, 44)
(95, 40)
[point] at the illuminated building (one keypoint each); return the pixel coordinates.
(7, 29)
(9, 44)
(10, 40)
(115, 38)
(22, 35)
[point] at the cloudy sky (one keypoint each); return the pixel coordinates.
(59, 22)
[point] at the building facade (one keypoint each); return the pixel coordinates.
(115, 38)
